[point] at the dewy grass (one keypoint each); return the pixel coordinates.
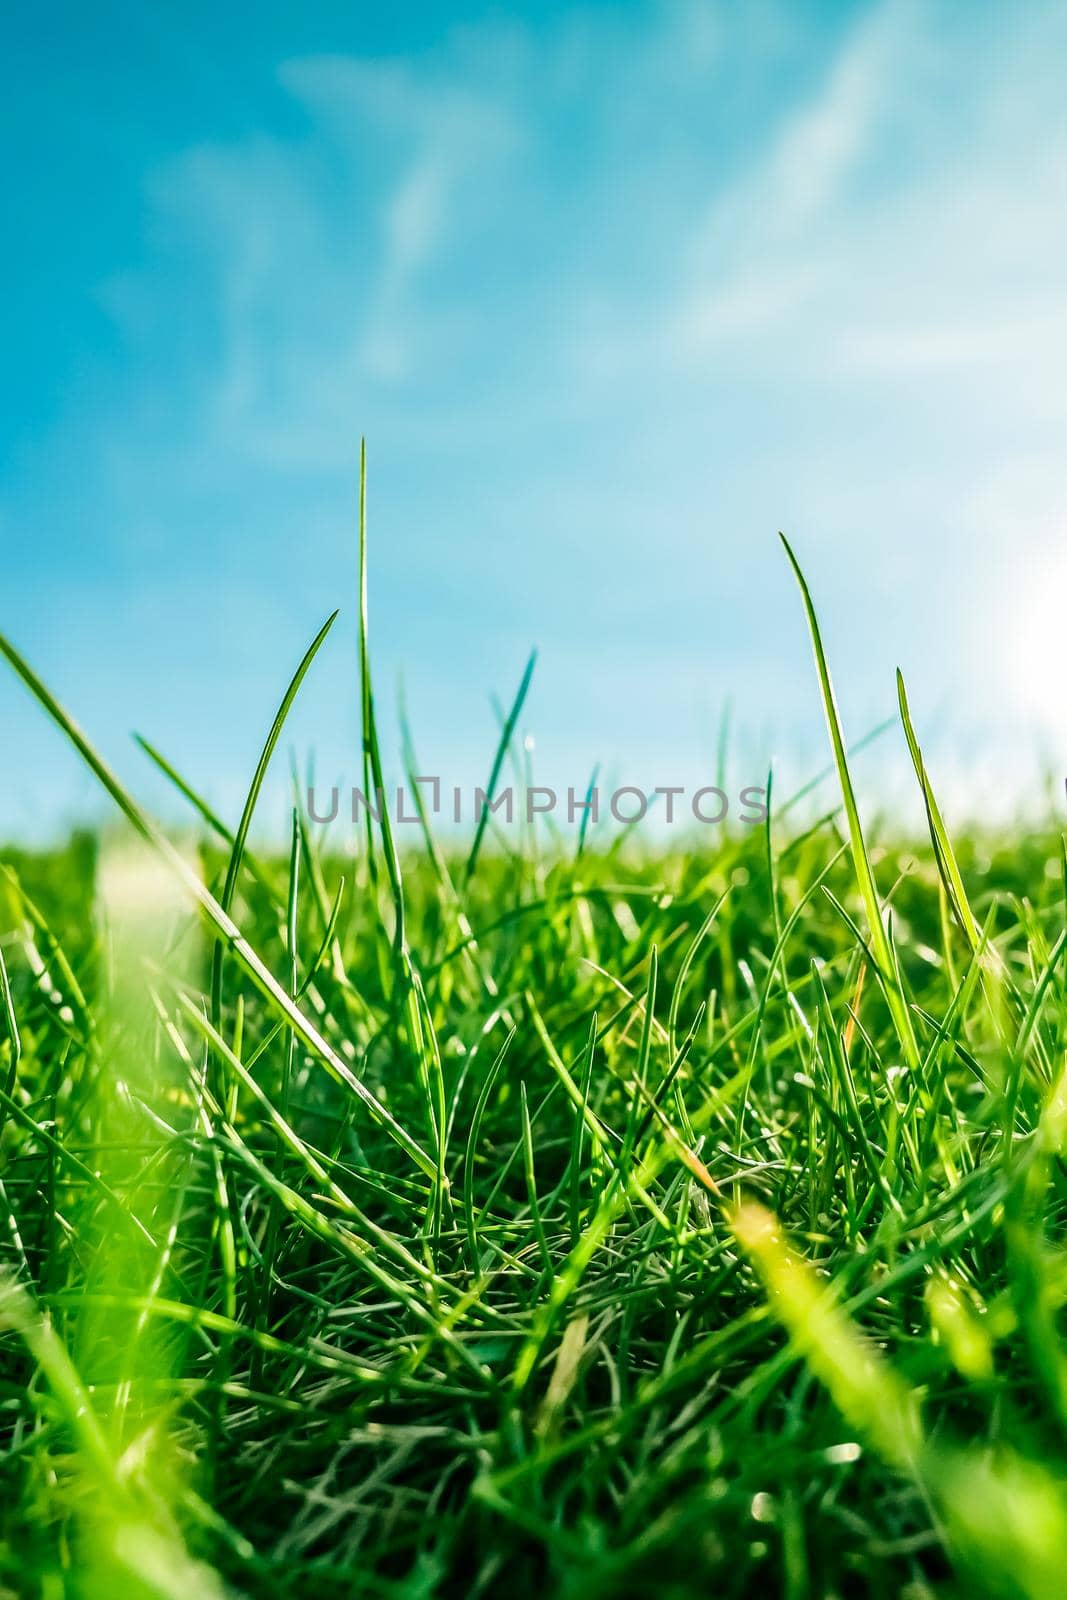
(598, 1222)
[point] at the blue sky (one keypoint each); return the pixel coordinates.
(614, 293)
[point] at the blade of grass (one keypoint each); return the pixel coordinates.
(271, 990)
(861, 860)
(240, 838)
(498, 761)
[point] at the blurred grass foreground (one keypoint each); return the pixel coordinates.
(519, 1221)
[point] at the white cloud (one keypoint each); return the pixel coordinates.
(822, 144)
(540, 265)
(448, 136)
(817, 146)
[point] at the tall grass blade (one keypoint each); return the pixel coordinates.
(861, 861)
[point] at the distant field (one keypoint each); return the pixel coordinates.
(604, 1224)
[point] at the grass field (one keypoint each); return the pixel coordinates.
(602, 1223)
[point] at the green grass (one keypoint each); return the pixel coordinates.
(601, 1221)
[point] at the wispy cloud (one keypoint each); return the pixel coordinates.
(538, 229)
(447, 138)
(615, 295)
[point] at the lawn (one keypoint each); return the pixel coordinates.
(580, 1217)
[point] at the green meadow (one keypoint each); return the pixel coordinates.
(578, 1216)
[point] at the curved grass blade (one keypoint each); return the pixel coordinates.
(272, 991)
(172, 775)
(373, 775)
(944, 854)
(11, 1024)
(861, 861)
(498, 761)
(472, 1145)
(241, 836)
